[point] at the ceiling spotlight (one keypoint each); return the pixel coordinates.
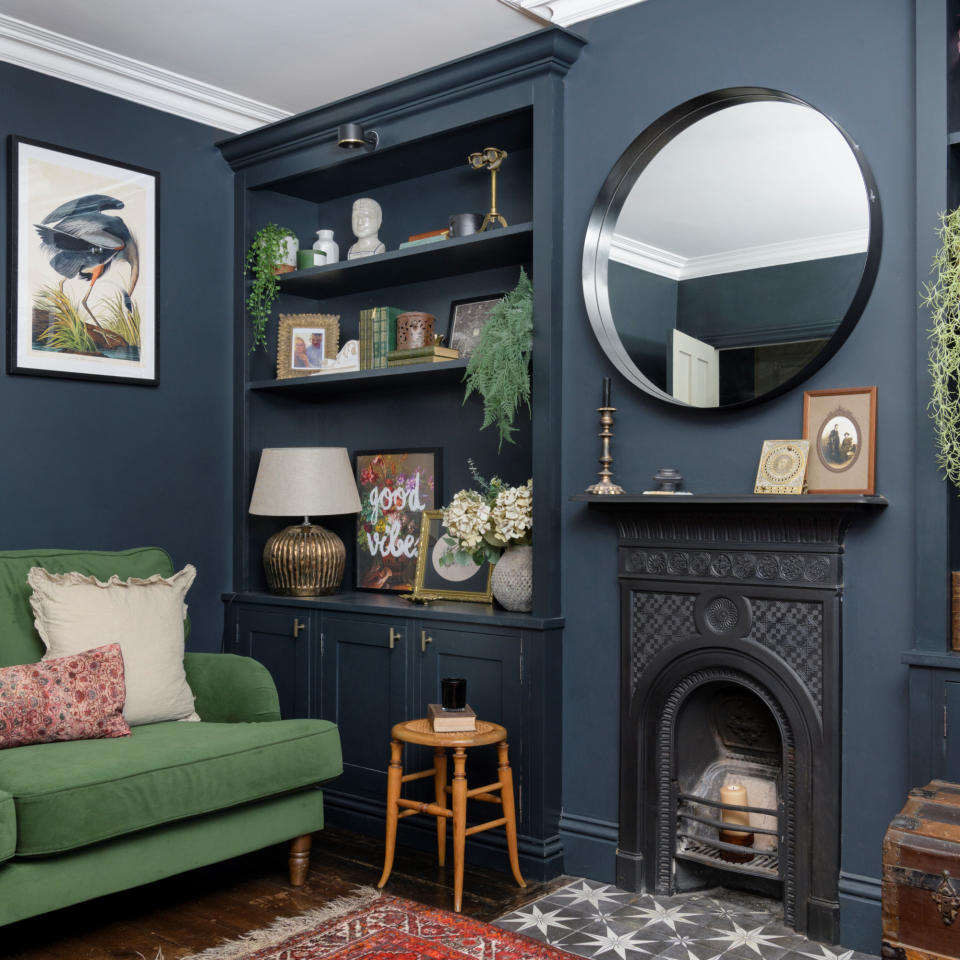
(350, 136)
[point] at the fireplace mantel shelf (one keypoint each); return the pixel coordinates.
(638, 501)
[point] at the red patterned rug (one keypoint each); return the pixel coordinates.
(385, 927)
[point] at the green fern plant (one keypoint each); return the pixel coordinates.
(499, 369)
(942, 297)
(261, 261)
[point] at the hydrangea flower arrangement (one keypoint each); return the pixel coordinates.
(481, 523)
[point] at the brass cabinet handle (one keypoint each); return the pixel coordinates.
(395, 635)
(297, 627)
(424, 640)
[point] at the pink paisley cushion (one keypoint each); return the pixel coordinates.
(79, 697)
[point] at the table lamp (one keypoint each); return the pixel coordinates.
(304, 560)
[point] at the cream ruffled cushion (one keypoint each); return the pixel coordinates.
(74, 612)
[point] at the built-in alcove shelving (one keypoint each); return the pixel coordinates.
(369, 660)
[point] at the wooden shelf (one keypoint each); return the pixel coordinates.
(425, 374)
(446, 258)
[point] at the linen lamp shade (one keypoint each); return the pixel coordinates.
(304, 560)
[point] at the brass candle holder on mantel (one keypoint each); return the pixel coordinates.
(605, 485)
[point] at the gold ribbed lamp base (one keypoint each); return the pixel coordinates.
(304, 560)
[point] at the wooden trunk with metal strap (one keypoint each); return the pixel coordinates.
(921, 876)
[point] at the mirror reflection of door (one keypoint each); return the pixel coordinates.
(694, 370)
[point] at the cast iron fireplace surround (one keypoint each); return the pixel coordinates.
(738, 598)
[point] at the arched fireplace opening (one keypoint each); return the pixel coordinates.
(728, 763)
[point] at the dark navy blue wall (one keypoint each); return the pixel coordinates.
(856, 64)
(108, 466)
(648, 304)
(790, 301)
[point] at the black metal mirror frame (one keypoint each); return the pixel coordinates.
(614, 192)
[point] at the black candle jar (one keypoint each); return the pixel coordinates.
(453, 691)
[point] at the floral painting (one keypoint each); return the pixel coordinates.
(83, 260)
(395, 487)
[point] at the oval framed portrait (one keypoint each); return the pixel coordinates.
(841, 426)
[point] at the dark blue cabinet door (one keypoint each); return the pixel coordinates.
(491, 664)
(364, 694)
(286, 642)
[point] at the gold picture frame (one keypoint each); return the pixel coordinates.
(434, 582)
(298, 352)
(783, 467)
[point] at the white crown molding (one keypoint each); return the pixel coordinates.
(643, 256)
(45, 51)
(565, 12)
(663, 263)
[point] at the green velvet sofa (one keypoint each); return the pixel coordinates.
(82, 819)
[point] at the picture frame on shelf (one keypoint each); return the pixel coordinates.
(783, 467)
(396, 487)
(83, 266)
(304, 342)
(467, 320)
(841, 426)
(453, 582)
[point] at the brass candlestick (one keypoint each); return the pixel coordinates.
(605, 485)
(490, 159)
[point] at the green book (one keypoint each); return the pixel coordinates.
(366, 339)
(384, 334)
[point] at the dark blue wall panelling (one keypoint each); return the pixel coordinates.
(107, 466)
(855, 64)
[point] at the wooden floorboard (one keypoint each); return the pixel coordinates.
(190, 912)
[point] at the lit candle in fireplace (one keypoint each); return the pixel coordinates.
(734, 794)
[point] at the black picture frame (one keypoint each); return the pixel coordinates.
(434, 582)
(121, 345)
(402, 571)
(467, 319)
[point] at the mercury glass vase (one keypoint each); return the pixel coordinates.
(512, 579)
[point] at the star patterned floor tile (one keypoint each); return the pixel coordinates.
(600, 922)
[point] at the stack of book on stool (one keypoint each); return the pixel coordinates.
(451, 721)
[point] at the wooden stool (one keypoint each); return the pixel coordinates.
(420, 731)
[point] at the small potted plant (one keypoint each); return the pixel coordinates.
(269, 252)
(494, 524)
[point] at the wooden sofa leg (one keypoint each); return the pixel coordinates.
(299, 859)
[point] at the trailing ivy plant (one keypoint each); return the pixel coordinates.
(499, 369)
(262, 258)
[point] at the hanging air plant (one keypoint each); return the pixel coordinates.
(942, 297)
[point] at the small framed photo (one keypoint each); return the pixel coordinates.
(395, 487)
(783, 466)
(83, 266)
(437, 581)
(841, 426)
(305, 341)
(467, 319)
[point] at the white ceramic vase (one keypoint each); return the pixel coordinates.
(512, 579)
(288, 251)
(325, 242)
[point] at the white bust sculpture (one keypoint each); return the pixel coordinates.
(366, 220)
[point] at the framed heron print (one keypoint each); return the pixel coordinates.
(83, 266)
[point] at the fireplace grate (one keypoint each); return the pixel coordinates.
(695, 842)
(701, 851)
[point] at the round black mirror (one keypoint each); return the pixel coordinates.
(731, 249)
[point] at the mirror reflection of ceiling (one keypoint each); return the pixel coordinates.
(749, 186)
